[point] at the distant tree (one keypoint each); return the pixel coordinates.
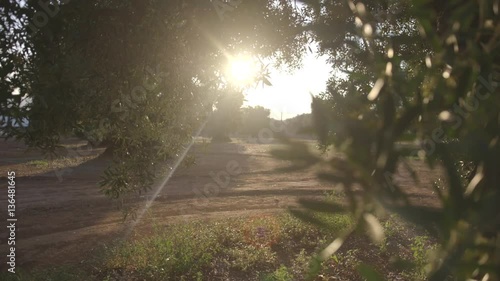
(300, 125)
(226, 117)
(254, 119)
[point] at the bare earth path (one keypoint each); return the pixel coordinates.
(65, 218)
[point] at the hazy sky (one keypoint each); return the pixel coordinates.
(290, 94)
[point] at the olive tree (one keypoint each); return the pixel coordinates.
(139, 77)
(424, 69)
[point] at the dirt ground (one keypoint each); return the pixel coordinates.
(64, 218)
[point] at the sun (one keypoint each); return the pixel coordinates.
(242, 70)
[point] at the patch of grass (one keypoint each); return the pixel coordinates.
(181, 250)
(392, 227)
(349, 258)
(300, 264)
(399, 233)
(251, 257)
(39, 163)
(63, 162)
(262, 247)
(421, 248)
(280, 274)
(192, 250)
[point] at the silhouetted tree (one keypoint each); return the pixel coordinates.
(226, 117)
(254, 119)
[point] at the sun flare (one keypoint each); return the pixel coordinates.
(242, 69)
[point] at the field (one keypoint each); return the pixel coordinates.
(68, 230)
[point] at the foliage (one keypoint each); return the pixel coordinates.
(300, 125)
(254, 119)
(421, 253)
(281, 274)
(139, 77)
(227, 116)
(427, 69)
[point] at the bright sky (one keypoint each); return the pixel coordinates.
(290, 94)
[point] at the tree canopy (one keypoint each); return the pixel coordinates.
(226, 117)
(254, 119)
(139, 76)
